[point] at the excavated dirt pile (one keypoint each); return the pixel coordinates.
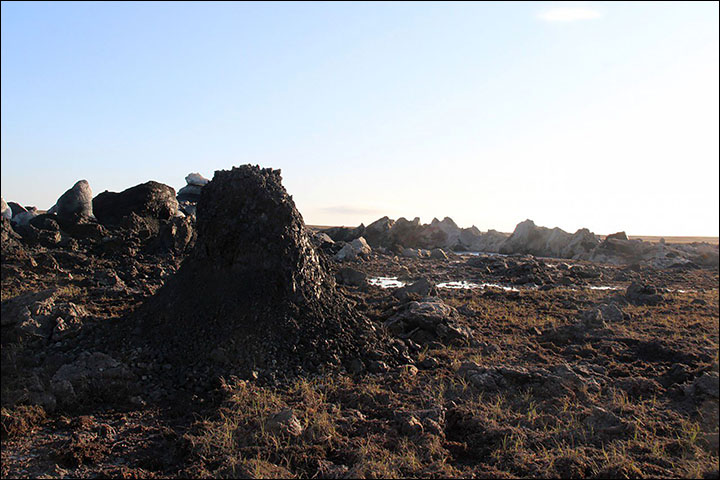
(253, 295)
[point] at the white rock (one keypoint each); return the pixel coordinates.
(5, 211)
(350, 251)
(196, 179)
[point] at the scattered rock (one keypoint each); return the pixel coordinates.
(412, 239)
(345, 234)
(556, 382)
(641, 294)
(428, 321)
(408, 370)
(617, 236)
(45, 222)
(285, 423)
(17, 208)
(92, 376)
(597, 317)
(321, 239)
(189, 193)
(108, 279)
(605, 422)
(353, 250)
(24, 218)
(150, 199)
(327, 469)
(706, 385)
(27, 308)
(426, 314)
(196, 179)
(677, 374)
(5, 210)
(76, 203)
(376, 233)
(409, 425)
(419, 288)
(545, 242)
(352, 277)
(429, 363)
(637, 387)
(10, 240)
(415, 253)
(378, 366)
(438, 254)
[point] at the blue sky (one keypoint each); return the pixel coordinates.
(598, 115)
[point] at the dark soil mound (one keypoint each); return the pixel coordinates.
(150, 199)
(253, 294)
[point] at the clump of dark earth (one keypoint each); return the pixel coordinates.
(10, 240)
(352, 277)
(641, 294)
(151, 199)
(253, 295)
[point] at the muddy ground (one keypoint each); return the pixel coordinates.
(540, 375)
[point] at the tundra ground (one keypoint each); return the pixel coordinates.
(542, 387)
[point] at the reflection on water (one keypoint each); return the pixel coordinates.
(393, 282)
(469, 286)
(461, 284)
(497, 285)
(386, 282)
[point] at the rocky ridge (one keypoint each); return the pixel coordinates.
(405, 237)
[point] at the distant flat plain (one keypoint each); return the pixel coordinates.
(650, 238)
(644, 238)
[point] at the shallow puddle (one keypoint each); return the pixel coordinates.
(464, 285)
(386, 282)
(393, 282)
(504, 287)
(477, 254)
(459, 285)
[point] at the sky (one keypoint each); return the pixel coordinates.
(592, 114)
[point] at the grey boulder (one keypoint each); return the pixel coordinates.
(5, 211)
(76, 202)
(16, 208)
(196, 179)
(189, 193)
(23, 218)
(351, 251)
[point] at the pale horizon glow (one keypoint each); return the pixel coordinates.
(488, 113)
